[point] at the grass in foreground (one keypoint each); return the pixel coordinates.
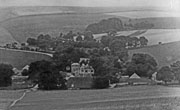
(125, 98)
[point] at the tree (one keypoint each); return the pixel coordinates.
(106, 25)
(176, 70)
(105, 40)
(44, 41)
(38, 67)
(165, 74)
(69, 35)
(79, 38)
(142, 64)
(117, 45)
(49, 80)
(88, 36)
(25, 72)
(65, 57)
(143, 41)
(5, 75)
(32, 41)
(135, 41)
(100, 83)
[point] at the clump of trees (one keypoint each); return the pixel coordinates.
(117, 24)
(6, 73)
(46, 75)
(165, 74)
(169, 73)
(100, 83)
(142, 64)
(105, 25)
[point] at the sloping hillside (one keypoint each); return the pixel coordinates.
(30, 26)
(5, 37)
(165, 54)
(19, 58)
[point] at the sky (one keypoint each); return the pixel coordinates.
(175, 4)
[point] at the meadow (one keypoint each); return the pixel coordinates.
(24, 27)
(124, 98)
(20, 58)
(5, 37)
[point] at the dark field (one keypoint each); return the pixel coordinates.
(125, 98)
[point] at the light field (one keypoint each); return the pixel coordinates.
(153, 35)
(146, 14)
(125, 98)
(5, 37)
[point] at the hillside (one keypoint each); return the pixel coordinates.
(165, 54)
(154, 36)
(19, 58)
(31, 26)
(5, 37)
(24, 22)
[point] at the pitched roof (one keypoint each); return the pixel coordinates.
(134, 76)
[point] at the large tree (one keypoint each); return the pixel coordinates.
(143, 41)
(32, 41)
(38, 67)
(49, 80)
(176, 70)
(165, 74)
(5, 75)
(63, 58)
(142, 64)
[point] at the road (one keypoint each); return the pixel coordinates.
(17, 50)
(125, 98)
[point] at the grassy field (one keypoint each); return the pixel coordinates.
(124, 98)
(165, 54)
(146, 14)
(19, 59)
(5, 37)
(7, 97)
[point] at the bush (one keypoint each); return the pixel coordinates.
(51, 81)
(100, 83)
(5, 75)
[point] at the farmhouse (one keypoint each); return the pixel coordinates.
(82, 69)
(82, 72)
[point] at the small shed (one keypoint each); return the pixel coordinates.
(80, 83)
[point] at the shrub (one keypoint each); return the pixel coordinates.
(5, 75)
(100, 83)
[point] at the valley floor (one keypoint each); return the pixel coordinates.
(124, 98)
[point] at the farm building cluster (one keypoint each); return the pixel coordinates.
(81, 77)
